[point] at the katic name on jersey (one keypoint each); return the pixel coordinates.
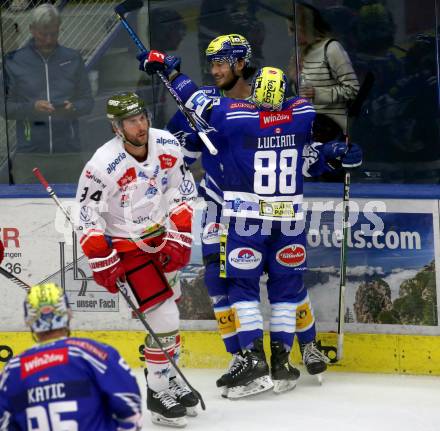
(278, 141)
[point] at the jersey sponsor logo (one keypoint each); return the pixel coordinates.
(125, 201)
(164, 141)
(181, 85)
(151, 191)
(278, 141)
(244, 258)
(167, 161)
(43, 360)
(277, 209)
(211, 233)
(101, 354)
(242, 105)
(298, 102)
(278, 130)
(91, 176)
(269, 119)
(128, 177)
(291, 256)
(187, 187)
(112, 165)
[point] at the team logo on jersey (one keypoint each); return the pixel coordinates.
(269, 119)
(292, 255)
(112, 165)
(244, 258)
(278, 130)
(277, 209)
(167, 161)
(211, 233)
(242, 105)
(187, 187)
(43, 360)
(128, 177)
(86, 214)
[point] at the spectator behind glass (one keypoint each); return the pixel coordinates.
(47, 89)
(326, 75)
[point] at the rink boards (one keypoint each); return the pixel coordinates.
(398, 268)
(371, 353)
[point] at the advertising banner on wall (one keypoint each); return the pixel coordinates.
(392, 279)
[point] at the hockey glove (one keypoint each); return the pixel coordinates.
(353, 157)
(2, 252)
(176, 253)
(107, 270)
(156, 61)
(350, 156)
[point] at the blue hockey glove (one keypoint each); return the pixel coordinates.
(155, 61)
(350, 156)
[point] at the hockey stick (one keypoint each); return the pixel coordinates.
(128, 6)
(122, 289)
(353, 112)
(14, 279)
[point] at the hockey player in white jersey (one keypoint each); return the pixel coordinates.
(135, 197)
(63, 382)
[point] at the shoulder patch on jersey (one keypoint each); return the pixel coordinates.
(271, 118)
(164, 141)
(85, 345)
(167, 161)
(42, 360)
(298, 102)
(242, 105)
(112, 165)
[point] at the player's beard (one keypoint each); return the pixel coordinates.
(229, 85)
(138, 140)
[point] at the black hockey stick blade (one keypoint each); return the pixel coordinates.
(355, 108)
(128, 6)
(14, 279)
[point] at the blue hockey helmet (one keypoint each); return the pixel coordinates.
(229, 47)
(46, 308)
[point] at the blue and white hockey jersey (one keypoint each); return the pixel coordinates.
(210, 186)
(263, 155)
(69, 384)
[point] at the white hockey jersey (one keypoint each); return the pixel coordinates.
(123, 200)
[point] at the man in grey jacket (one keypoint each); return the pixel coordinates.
(47, 89)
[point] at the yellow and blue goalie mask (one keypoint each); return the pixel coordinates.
(268, 88)
(46, 308)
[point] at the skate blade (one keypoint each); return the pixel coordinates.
(261, 384)
(319, 378)
(158, 419)
(224, 392)
(191, 411)
(280, 386)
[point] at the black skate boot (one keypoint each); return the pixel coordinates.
(165, 410)
(226, 378)
(284, 375)
(314, 360)
(252, 374)
(182, 394)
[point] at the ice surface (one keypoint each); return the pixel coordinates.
(344, 402)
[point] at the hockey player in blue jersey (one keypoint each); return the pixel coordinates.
(229, 57)
(264, 148)
(63, 382)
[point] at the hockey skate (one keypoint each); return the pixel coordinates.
(165, 410)
(223, 381)
(183, 395)
(252, 375)
(314, 360)
(284, 375)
